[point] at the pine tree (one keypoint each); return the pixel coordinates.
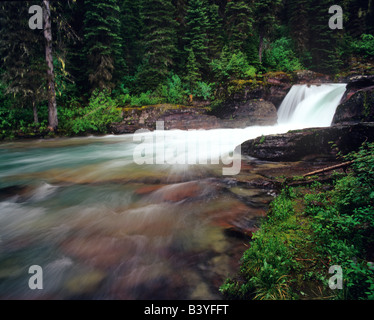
(238, 23)
(266, 14)
(299, 23)
(193, 74)
(103, 43)
(357, 11)
(197, 25)
(158, 42)
(214, 32)
(323, 40)
(75, 48)
(131, 34)
(22, 56)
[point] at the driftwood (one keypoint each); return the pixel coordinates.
(338, 166)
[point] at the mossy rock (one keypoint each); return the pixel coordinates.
(358, 108)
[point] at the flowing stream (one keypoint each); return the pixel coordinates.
(152, 215)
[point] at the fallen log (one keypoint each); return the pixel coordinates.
(338, 166)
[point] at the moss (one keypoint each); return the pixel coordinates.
(279, 75)
(367, 108)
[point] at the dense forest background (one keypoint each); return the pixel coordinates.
(110, 54)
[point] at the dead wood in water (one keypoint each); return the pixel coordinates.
(338, 166)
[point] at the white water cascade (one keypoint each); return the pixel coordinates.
(103, 226)
(310, 106)
(305, 106)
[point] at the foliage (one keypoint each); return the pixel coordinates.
(345, 223)
(364, 46)
(196, 32)
(94, 118)
(140, 44)
(193, 74)
(204, 90)
(158, 42)
(232, 66)
(334, 227)
(173, 92)
(266, 265)
(280, 56)
(102, 42)
(239, 20)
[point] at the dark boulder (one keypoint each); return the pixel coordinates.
(309, 143)
(255, 112)
(248, 113)
(359, 107)
(357, 104)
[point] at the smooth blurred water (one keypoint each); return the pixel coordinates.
(103, 227)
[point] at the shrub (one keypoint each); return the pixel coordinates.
(94, 118)
(232, 66)
(334, 227)
(173, 91)
(204, 90)
(145, 98)
(364, 46)
(280, 56)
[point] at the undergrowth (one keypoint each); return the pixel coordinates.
(308, 230)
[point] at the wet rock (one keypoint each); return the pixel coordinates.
(357, 107)
(278, 85)
(146, 189)
(256, 112)
(85, 283)
(239, 114)
(296, 145)
(154, 281)
(13, 191)
(101, 252)
(311, 77)
(179, 192)
(245, 192)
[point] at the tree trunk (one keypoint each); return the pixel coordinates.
(52, 106)
(261, 47)
(35, 111)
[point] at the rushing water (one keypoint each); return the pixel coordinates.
(102, 226)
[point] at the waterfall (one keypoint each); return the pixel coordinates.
(305, 106)
(112, 217)
(310, 105)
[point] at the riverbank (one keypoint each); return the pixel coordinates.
(308, 230)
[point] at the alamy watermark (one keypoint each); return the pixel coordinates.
(165, 147)
(36, 280)
(336, 21)
(336, 281)
(36, 20)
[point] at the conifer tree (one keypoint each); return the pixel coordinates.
(323, 40)
(158, 42)
(22, 56)
(197, 25)
(265, 15)
(75, 50)
(131, 34)
(214, 31)
(299, 23)
(103, 42)
(238, 23)
(193, 74)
